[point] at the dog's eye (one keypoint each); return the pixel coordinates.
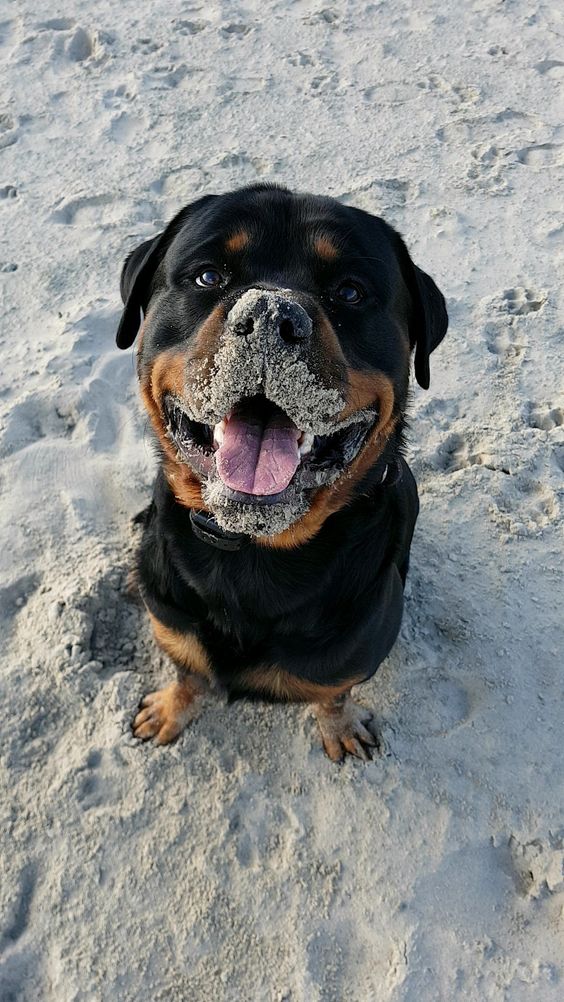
(349, 293)
(209, 278)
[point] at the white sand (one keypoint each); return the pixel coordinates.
(241, 864)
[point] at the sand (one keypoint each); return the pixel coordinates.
(240, 864)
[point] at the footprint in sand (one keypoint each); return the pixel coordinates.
(82, 46)
(57, 24)
(488, 168)
(88, 210)
(119, 96)
(520, 301)
(552, 67)
(99, 781)
(125, 128)
(17, 916)
(166, 76)
(190, 27)
(505, 340)
(235, 30)
(323, 16)
(524, 506)
(90, 793)
(538, 865)
(256, 835)
(545, 417)
(325, 83)
(456, 453)
(9, 131)
(16, 595)
(181, 184)
(461, 94)
(505, 333)
(146, 45)
(389, 194)
(10, 33)
(443, 704)
(541, 156)
(34, 418)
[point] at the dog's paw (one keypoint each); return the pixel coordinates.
(347, 729)
(164, 714)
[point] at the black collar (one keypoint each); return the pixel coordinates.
(206, 528)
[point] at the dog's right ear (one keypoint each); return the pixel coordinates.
(135, 282)
(138, 272)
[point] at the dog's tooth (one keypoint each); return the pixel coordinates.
(306, 443)
(218, 432)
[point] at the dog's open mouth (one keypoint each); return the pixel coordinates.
(257, 451)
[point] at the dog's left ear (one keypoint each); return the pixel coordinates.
(429, 318)
(429, 323)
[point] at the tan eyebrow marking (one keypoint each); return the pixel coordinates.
(325, 247)
(237, 242)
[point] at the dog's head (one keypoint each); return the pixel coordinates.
(275, 333)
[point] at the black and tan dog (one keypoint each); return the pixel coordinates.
(275, 333)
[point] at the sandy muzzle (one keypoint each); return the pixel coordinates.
(248, 357)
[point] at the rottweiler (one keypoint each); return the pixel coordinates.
(275, 332)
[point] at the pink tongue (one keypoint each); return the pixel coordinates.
(257, 457)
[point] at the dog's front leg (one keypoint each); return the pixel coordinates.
(345, 728)
(164, 714)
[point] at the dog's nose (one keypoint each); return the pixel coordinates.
(271, 313)
(294, 323)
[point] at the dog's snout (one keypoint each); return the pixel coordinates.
(270, 314)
